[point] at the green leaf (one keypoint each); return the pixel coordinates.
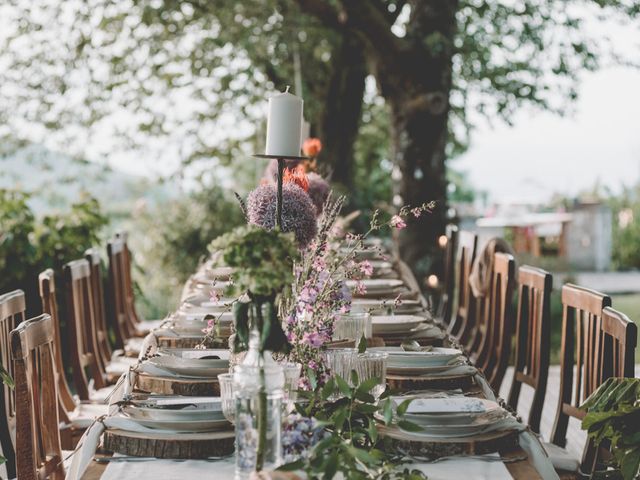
(362, 344)
(409, 426)
(328, 389)
(331, 465)
(354, 378)
(387, 411)
(630, 464)
(6, 378)
(402, 408)
(344, 387)
(291, 466)
(369, 384)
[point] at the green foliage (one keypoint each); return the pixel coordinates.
(352, 446)
(29, 245)
(613, 414)
(626, 228)
(170, 240)
(262, 259)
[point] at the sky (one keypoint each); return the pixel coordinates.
(544, 153)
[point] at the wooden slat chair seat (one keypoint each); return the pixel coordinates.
(39, 454)
(85, 357)
(444, 310)
(74, 415)
(463, 320)
(533, 342)
(589, 347)
(12, 313)
(494, 321)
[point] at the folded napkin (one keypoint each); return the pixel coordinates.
(158, 468)
(473, 468)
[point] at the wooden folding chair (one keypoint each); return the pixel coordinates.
(102, 331)
(12, 312)
(47, 284)
(37, 437)
(118, 313)
(618, 340)
(75, 417)
(463, 320)
(582, 352)
(86, 361)
(494, 321)
(533, 341)
(444, 310)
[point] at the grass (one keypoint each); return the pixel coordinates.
(629, 304)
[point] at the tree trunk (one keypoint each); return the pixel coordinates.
(416, 85)
(340, 122)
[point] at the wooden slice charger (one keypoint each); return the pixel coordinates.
(193, 387)
(406, 383)
(435, 447)
(170, 445)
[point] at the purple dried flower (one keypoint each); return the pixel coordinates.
(319, 190)
(298, 213)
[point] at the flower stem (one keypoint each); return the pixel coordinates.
(262, 421)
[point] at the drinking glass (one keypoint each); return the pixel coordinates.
(369, 365)
(226, 396)
(340, 361)
(291, 380)
(352, 326)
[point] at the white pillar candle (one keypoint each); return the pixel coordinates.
(284, 125)
(306, 131)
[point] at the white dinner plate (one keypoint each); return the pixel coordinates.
(389, 324)
(437, 356)
(179, 366)
(184, 426)
(164, 410)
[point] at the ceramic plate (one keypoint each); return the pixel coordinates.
(185, 426)
(180, 367)
(437, 356)
(171, 409)
(385, 324)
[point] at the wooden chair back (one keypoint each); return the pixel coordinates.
(444, 310)
(102, 331)
(130, 295)
(618, 341)
(463, 320)
(37, 437)
(77, 277)
(12, 313)
(47, 284)
(118, 314)
(533, 341)
(581, 352)
(494, 321)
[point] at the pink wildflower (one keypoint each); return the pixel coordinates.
(397, 222)
(417, 211)
(360, 288)
(366, 268)
(313, 339)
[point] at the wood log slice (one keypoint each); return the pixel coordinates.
(405, 383)
(433, 447)
(170, 445)
(178, 386)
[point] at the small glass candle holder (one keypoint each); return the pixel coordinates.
(226, 396)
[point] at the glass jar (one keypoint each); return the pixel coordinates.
(258, 393)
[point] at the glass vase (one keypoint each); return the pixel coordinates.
(258, 391)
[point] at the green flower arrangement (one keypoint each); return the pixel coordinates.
(262, 259)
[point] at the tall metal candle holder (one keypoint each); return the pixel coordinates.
(280, 159)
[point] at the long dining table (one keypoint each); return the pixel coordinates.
(521, 459)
